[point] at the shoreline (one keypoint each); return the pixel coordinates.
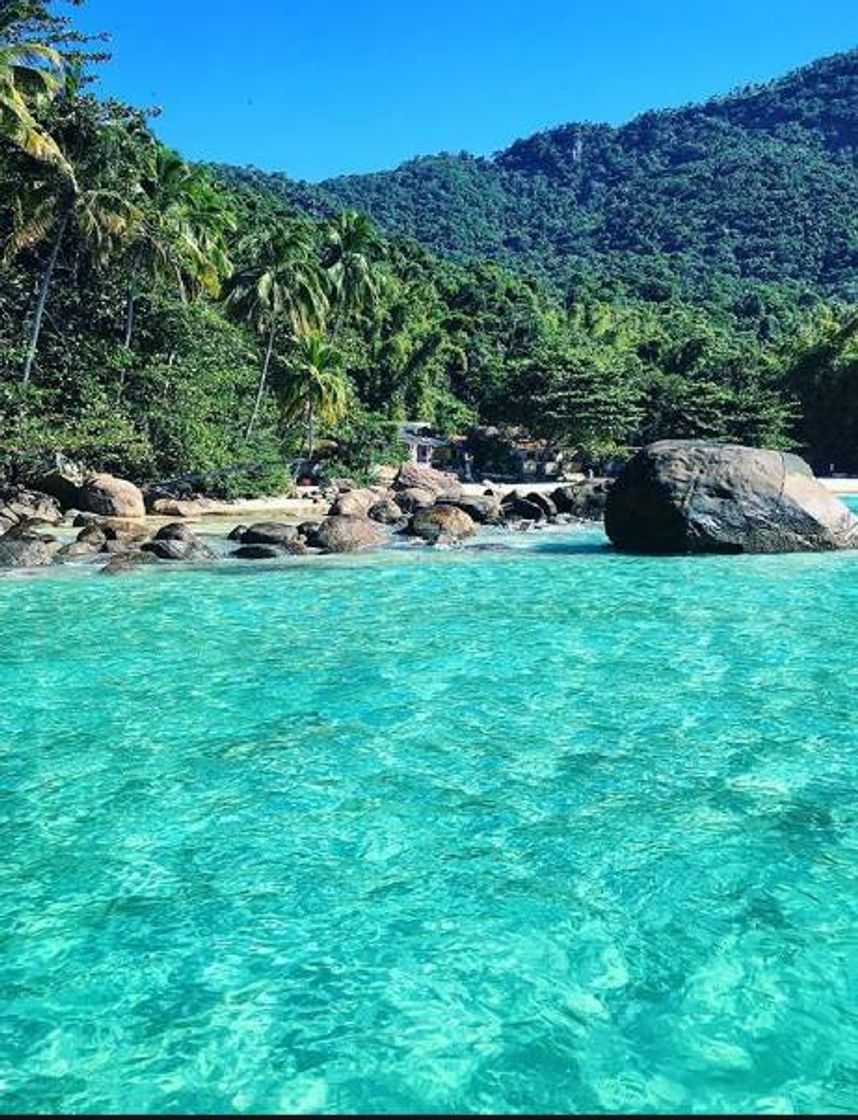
(841, 487)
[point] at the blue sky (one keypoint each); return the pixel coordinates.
(335, 86)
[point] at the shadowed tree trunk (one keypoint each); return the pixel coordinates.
(42, 299)
(263, 378)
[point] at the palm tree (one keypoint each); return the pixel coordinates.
(316, 388)
(353, 247)
(181, 238)
(45, 211)
(281, 288)
(31, 75)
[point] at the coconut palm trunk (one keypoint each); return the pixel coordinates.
(311, 418)
(263, 378)
(42, 299)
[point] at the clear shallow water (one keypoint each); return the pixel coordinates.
(548, 829)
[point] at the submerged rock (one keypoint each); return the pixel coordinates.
(681, 496)
(128, 562)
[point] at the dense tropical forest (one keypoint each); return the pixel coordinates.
(162, 320)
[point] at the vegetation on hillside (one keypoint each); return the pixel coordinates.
(761, 185)
(160, 323)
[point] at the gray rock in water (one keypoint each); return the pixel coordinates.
(270, 532)
(24, 553)
(348, 534)
(543, 502)
(175, 531)
(484, 509)
(172, 549)
(682, 496)
(516, 508)
(79, 550)
(442, 523)
(586, 499)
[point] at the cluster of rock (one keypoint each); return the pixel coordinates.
(431, 506)
(421, 504)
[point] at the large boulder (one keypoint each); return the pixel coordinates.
(680, 496)
(411, 477)
(586, 499)
(441, 524)
(485, 509)
(111, 497)
(347, 534)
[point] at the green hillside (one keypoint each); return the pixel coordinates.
(759, 185)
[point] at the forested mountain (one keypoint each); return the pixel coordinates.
(759, 185)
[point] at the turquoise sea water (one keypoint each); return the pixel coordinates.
(540, 829)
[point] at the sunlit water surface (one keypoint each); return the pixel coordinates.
(546, 828)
